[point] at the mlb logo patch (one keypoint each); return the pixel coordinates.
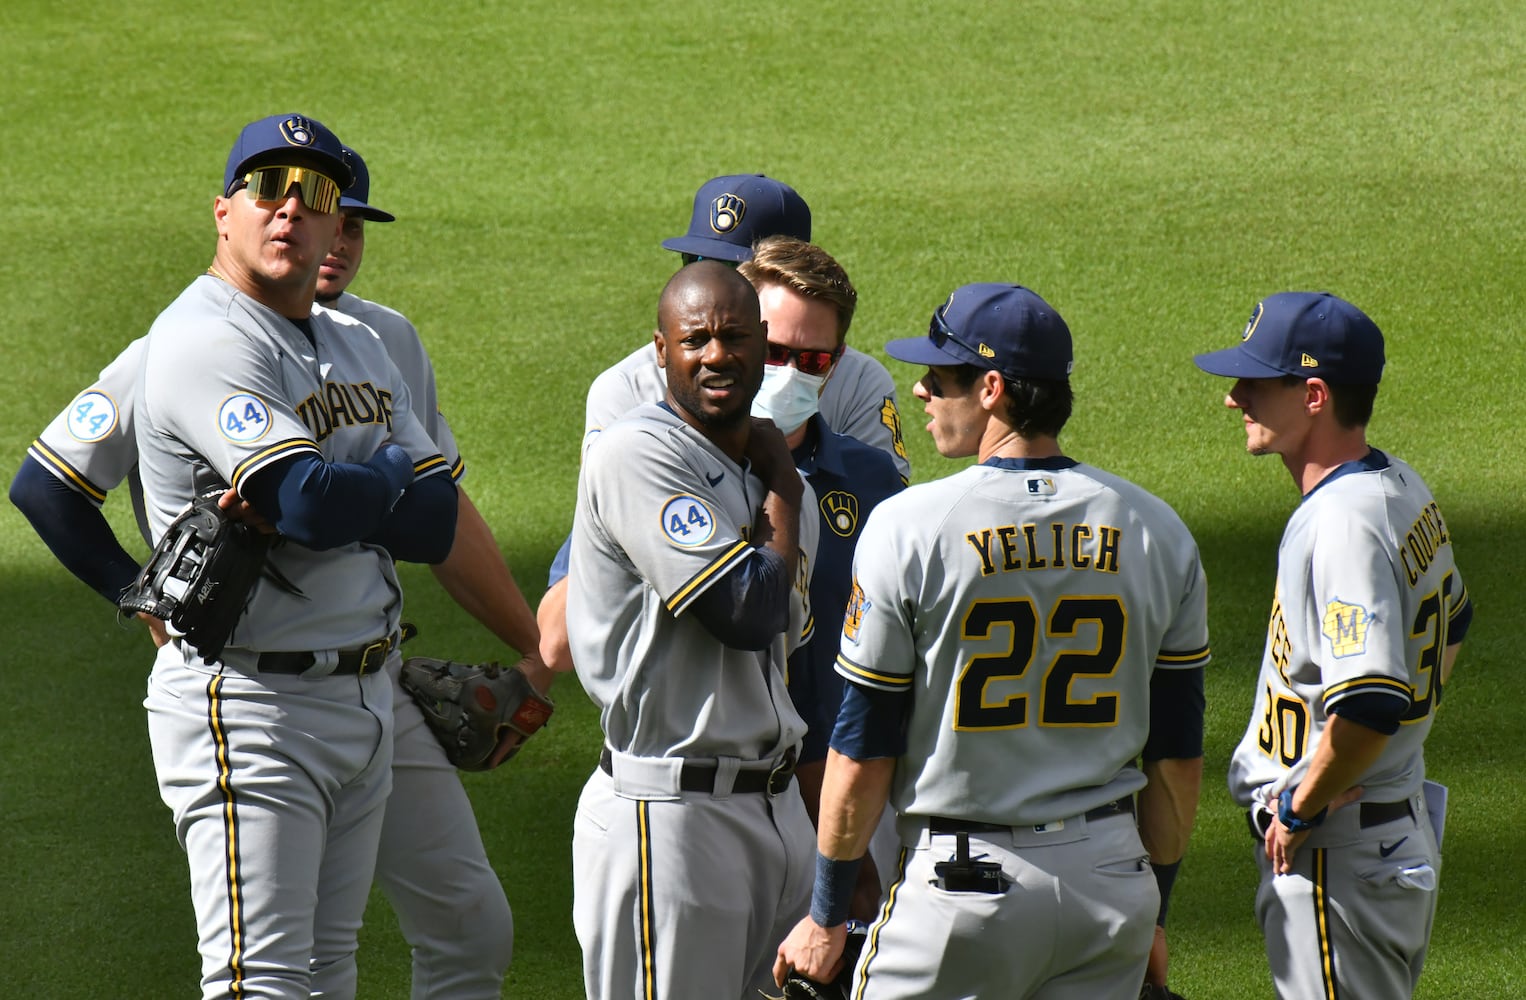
(1041, 487)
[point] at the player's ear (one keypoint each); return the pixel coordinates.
(662, 348)
(1316, 397)
(992, 388)
(220, 208)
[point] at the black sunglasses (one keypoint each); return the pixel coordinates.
(808, 362)
(939, 333)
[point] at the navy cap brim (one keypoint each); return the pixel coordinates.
(367, 212)
(713, 249)
(921, 351)
(1235, 362)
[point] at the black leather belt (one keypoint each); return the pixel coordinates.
(1378, 813)
(365, 659)
(944, 824)
(1368, 814)
(696, 777)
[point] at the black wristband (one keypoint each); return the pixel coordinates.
(833, 890)
(1165, 877)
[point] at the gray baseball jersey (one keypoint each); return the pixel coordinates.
(1367, 592)
(859, 399)
(1024, 612)
(271, 395)
(1022, 606)
(645, 544)
(92, 445)
(406, 350)
(432, 864)
(680, 889)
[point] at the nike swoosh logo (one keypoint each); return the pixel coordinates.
(715, 480)
(1384, 850)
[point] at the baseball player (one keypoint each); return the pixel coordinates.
(275, 758)
(1368, 616)
(691, 847)
(730, 214)
(1018, 634)
(808, 301)
(432, 864)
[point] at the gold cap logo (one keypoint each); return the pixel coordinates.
(1308, 362)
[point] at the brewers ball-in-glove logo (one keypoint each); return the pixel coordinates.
(726, 213)
(297, 131)
(1345, 625)
(841, 511)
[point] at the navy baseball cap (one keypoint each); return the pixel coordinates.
(733, 212)
(1308, 334)
(354, 197)
(1004, 328)
(288, 140)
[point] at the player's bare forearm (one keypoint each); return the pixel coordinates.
(1168, 806)
(551, 616)
(1344, 753)
(478, 578)
(1448, 661)
(853, 794)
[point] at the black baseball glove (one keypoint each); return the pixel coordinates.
(798, 987)
(200, 574)
(481, 714)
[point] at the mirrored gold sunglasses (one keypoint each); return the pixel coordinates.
(317, 191)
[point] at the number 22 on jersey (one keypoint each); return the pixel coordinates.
(1073, 616)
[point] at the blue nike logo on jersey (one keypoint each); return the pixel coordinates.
(1384, 850)
(715, 480)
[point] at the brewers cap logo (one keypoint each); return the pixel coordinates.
(297, 131)
(726, 213)
(1250, 325)
(1345, 625)
(841, 511)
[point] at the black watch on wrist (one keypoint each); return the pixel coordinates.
(1290, 821)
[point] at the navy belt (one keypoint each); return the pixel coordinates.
(945, 824)
(1368, 814)
(365, 659)
(695, 777)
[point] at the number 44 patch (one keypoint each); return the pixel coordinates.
(243, 418)
(687, 521)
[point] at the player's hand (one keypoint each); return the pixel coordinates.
(770, 458)
(812, 950)
(240, 509)
(1282, 844)
(156, 629)
(536, 670)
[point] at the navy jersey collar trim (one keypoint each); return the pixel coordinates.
(1053, 464)
(1373, 461)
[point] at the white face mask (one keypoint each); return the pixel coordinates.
(789, 397)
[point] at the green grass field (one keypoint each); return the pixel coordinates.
(1151, 168)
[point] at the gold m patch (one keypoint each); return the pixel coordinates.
(853, 620)
(1345, 625)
